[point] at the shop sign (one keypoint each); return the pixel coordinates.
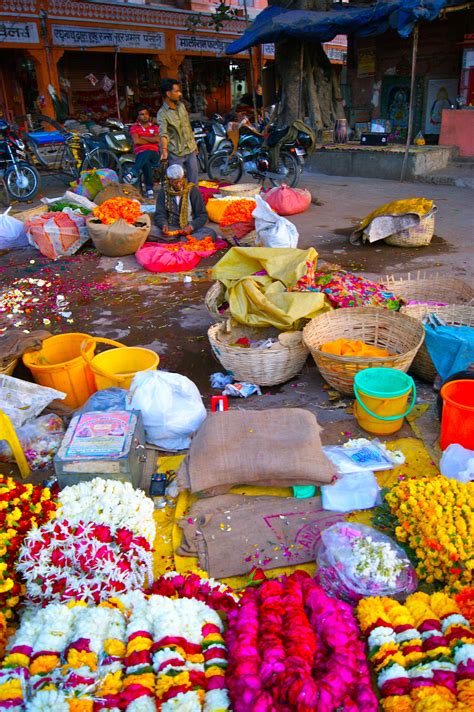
(24, 32)
(70, 36)
(191, 43)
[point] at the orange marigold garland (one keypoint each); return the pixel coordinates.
(112, 210)
(465, 601)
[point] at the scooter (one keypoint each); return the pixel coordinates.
(20, 178)
(118, 140)
(211, 137)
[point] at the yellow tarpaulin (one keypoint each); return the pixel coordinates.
(258, 299)
(168, 538)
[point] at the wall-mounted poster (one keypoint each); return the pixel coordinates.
(395, 106)
(365, 62)
(441, 94)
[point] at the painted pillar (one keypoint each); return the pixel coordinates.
(45, 61)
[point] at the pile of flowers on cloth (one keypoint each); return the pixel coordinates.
(100, 544)
(434, 517)
(293, 647)
(177, 256)
(135, 652)
(238, 211)
(23, 507)
(115, 208)
(422, 652)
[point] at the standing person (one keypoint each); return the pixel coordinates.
(180, 209)
(146, 142)
(178, 145)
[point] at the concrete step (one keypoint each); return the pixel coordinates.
(459, 174)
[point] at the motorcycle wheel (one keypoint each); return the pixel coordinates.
(102, 158)
(202, 157)
(291, 164)
(221, 166)
(23, 186)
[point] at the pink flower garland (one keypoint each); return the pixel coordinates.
(87, 561)
(292, 646)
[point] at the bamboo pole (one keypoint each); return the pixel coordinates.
(411, 109)
(117, 101)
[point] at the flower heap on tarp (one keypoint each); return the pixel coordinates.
(136, 653)
(238, 211)
(293, 647)
(422, 652)
(115, 208)
(22, 507)
(61, 562)
(110, 502)
(435, 519)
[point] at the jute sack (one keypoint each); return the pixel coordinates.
(272, 448)
(118, 190)
(120, 238)
(232, 533)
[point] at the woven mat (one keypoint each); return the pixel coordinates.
(417, 463)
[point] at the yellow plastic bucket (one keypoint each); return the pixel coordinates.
(118, 366)
(59, 364)
(381, 399)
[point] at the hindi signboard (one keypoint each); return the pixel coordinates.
(193, 43)
(73, 36)
(24, 32)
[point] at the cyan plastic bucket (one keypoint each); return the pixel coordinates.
(381, 399)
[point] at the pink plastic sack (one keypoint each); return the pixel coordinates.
(58, 234)
(288, 201)
(156, 257)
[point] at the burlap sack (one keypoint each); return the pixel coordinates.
(118, 190)
(279, 447)
(232, 533)
(120, 238)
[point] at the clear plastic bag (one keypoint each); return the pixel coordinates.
(355, 561)
(22, 400)
(457, 463)
(40, 440)
(105, 401)
(354, 490)
(12, 232)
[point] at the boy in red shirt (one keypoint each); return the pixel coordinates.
(146, 139)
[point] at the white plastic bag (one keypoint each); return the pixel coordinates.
(355, 490)
(272, 229)
(22, 400)
(171, 406)
(457, 463)
(12, 232)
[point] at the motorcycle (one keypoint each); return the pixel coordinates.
(253, 155)
(20, 178)
(118, 140)
(211, 137)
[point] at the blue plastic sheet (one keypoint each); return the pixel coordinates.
(450, 347)
(275, 23)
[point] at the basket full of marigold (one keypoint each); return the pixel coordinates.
(118, 227)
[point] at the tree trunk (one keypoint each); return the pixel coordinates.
(305, 71)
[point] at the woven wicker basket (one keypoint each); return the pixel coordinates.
(399, 334)
(453, 315)
(247, 240)
(244, 190)
(425, 287)
(214, 298)
(9, 368)
(418, 236)
(265, 367)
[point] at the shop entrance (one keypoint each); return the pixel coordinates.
(18, 84)
(210, 84)
(88, 80)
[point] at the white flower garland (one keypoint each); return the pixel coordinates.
(108, 502)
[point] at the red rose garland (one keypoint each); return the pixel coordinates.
(215, 594)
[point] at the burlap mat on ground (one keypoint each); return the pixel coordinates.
(232, 533)
(278, 447)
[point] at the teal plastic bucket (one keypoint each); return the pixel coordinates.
(381, 399)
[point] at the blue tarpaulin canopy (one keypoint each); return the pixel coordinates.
(275, 23)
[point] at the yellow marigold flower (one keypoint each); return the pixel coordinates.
(213, 671)
(112, 684)
(73, 604)
(214, 637)
(138, 644)
(166, 682)
(79, 704)
(10, 690)
(16, 660)
(198, 658)
(465, 690)
(7, 585)
(397, 703)
(44, 663)
(146, 680)
(13, 601)
(114, 647)
(77, 659)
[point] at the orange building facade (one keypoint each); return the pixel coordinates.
(75, 58)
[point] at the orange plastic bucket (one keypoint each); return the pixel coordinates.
(58, 364)
(457, 421)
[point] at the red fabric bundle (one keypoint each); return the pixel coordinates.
(288, 201)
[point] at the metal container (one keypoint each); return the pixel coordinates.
(101, 444)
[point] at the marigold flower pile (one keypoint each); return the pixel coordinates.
(436, 520)
(465, 601)
(133, 652)
(238, 211)
(22, 508)
(293, 647)
(112, 210)
(422, 652)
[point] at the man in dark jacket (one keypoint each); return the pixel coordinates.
(180, 210)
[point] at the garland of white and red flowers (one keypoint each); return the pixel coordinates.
(293, 647)
(87, 561)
